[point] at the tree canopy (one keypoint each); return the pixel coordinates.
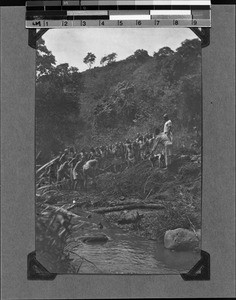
(57, 102)
(108, 59)
(89, 59)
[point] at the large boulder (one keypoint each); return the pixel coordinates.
(181, 239)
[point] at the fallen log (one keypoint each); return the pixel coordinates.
(60, 209)
(77, 204)
(104, 210)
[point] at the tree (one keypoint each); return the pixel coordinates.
(141, 55)
(163, 53)
(111, 58)
(89, 59)
(103, 60)
(190, 48)
(118, 109)
(57, 104)
(191, 93)
(45, 60)
(108, 59)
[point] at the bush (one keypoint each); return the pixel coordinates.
(51, 240)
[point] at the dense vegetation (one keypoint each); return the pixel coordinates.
(115, 101)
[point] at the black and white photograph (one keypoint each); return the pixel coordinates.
(117, 150)
(118, 144)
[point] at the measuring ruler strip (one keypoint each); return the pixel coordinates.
(126, 13)
(117, 23)
(103, 17)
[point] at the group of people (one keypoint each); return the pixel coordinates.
(76, 168)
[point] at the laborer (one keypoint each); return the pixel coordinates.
(168, 127)
(162, 139)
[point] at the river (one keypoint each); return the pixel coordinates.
(126, 253)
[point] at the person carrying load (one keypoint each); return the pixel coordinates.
(162, 139)
(89, 170)
(168, 127)
(77, 173)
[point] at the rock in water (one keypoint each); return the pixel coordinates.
(101, 238)
(181, 239)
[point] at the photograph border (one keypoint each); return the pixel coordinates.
(201, 269)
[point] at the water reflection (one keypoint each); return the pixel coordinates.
(128, 254)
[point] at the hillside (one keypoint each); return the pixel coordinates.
(113, 102)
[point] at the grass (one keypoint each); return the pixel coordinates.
(51, 240)
(178, 189)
